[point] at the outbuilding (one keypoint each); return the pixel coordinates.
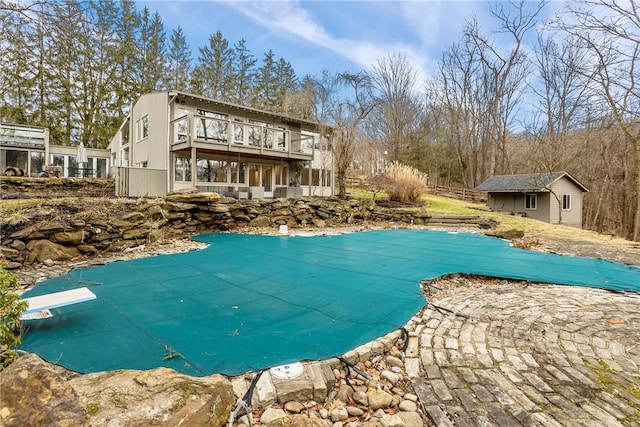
(554, 197)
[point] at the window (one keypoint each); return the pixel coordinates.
(531, 201)
(142, 128)
(181, 125)
(566, 202)
(326, 178)
(238, 132)
(212, 170)
(15, 158)
(182, 169)
(281, 175)
(124, 134)
(238, 172)
(101, 167)
(212, 126)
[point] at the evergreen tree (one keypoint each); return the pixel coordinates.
(266, 89)
(179, 59)
(287, 83)
(67, 39)
(213, 76)
(244, 71)
(18, 75)
(125, 56)
(151, 58)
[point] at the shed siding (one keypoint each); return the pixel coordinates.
(572, 216)
(503, 202)
(542, 212)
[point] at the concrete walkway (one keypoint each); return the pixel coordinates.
(514, 355)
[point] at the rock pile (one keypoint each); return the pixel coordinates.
(371, 388)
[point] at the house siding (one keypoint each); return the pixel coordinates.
(152, 150)
(169, 137)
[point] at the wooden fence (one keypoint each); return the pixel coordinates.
(459, 193)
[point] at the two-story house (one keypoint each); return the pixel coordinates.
(174, 140)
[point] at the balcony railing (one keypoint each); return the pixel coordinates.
(237, 135)
(20, 137)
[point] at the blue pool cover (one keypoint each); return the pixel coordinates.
(248, 302)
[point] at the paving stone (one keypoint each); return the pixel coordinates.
(501, 395)
(502, 418)
(522, 399)
(497, 354)
(511, 374)
(517, 363)
(460, 417)
(468, 375)
(412, 367)
(580, 377)
(438, 416)
(602, 416)
(619, 403)
(537, 382)
(545, 420)
(441, 390)
(529, 360)
(451, 379)
(425, 392)
(558, 374)
(451, 343)
(482, 393)
(524, 417)
(468, 400)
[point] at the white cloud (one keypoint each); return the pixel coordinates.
(289, 17)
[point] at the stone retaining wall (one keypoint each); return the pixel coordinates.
(26, 187)
(92, 229)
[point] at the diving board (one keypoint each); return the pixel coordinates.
(46, 302)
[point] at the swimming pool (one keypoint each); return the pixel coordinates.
(248, 302)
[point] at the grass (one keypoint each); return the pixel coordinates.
(439, 205)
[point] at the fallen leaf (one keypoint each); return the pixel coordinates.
(615, 321)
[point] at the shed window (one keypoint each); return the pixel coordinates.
(566, 202)
(531, 201)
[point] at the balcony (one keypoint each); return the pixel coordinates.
(21, 136)
(226, 136)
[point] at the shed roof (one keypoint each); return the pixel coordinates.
(533, 182)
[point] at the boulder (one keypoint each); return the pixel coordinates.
(41, 250)
(68, 237)
(261, 221)
(379, 399)
(193, 197)
(296, 421)
(34, 393)
(159, 397)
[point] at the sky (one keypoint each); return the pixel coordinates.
(335, 35)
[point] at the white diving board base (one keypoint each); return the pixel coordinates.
(57, 299)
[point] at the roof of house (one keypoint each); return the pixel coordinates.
(533, 182)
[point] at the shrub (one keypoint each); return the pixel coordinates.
(406, 184)
(10, 310)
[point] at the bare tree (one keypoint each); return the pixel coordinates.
(397, 115)
(609, 32)
(562, 96)
(504, 73)
(458, 93)
(347, 116)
